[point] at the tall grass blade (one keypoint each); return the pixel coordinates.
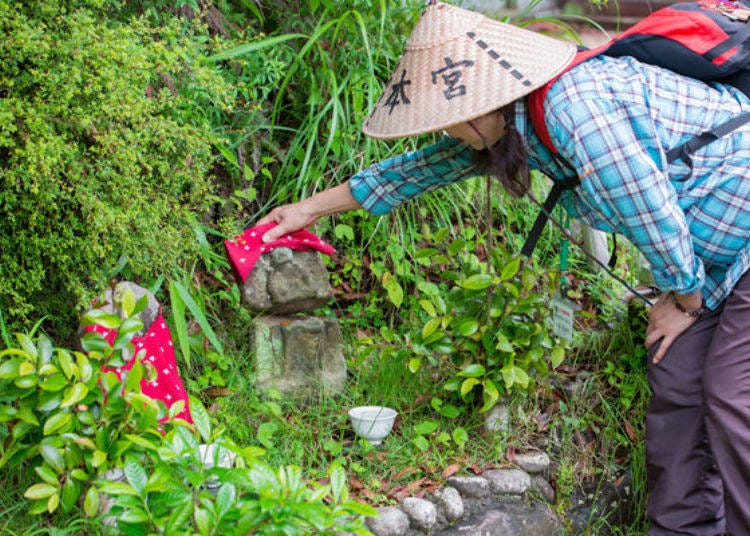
(4, 331)
(180, 325)
(199, 315)
(255, 45)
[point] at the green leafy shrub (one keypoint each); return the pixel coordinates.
(484, 325)
(104, 153)
(61, 415)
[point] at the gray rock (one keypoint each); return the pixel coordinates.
(449, 499)
(286, 281)
(472, 486)
(508, 480)
(508, 518)
(532, 462)
(299, 356)
(497, 419)
(422, 513)
(391, 521)
(543, 488)
(111, 301)
(105, 501)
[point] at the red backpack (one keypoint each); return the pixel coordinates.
(707, 39)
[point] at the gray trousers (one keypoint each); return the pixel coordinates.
(698, 426)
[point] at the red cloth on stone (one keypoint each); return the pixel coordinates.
(159, 352)
(245, 249)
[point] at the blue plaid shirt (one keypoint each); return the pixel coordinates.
(614, 121)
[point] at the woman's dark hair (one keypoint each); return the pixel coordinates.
(507, 159)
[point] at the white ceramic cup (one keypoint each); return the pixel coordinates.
(372, 422)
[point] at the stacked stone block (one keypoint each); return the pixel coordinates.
(296, 355)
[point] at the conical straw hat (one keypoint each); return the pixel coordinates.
(458, 65)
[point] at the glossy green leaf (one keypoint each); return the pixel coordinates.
(201, 419)
(26, 382)
(26, 368)
(135, 473)
(66, 363)
(225, 499)
(558, 356)
(94, 342)
(182, 512)
(394, 289)
(53, 502)
(53, 383)
(468, 327)
(460, 436)
(503, 344)
(128, 304)
(26, 415)
(46, 474)
(56, 423)
(490, 395)
(474, 370)
(428, 307)
(430, 327)
(421, 443)
(425, 253)
(100, 317)
(426, 427)
(40, 491)
(74, 395)
(510, 269)
(118, 488)
(98, 458)
(202, 521)
(133, 516)
(337, 477)
(476, 282)
(467, 385)
(27, 345)
(91, 502)
(71, 491)
(9, 369)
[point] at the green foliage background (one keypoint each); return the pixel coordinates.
(136, 136)
(105, 153)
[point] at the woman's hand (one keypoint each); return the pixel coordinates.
(289, 218)
(666, 322)
(305, 213)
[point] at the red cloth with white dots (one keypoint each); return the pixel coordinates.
(245, 249)
(157, 351)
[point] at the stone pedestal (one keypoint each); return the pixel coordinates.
(299, 356)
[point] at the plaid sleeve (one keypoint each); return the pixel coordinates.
(385, 185)
(624, 179)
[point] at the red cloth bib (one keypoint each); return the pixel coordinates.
(159, 352)
(245, 249)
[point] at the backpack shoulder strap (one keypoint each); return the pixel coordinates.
(684, 151)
